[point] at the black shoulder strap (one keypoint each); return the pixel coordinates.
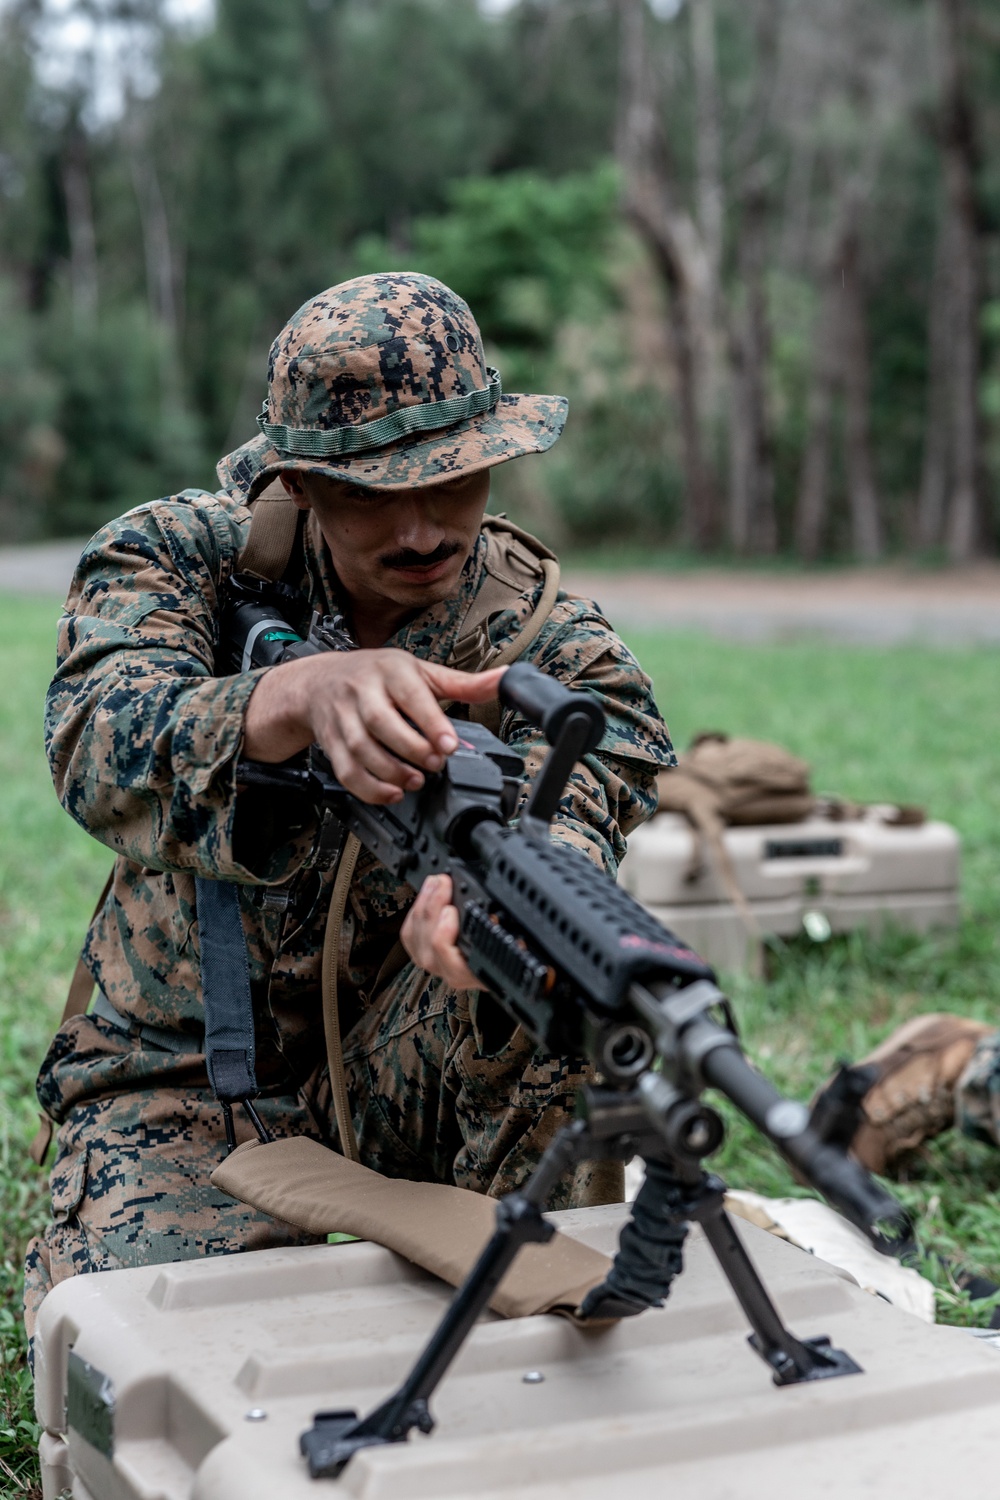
(225, 987)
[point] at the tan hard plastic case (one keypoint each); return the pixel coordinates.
(212, 1369)
(908, 876)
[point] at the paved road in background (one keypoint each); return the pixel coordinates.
(875, 606)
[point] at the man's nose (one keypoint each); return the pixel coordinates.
(417, 528)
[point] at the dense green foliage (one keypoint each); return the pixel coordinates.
(149, 252)
(911, 724)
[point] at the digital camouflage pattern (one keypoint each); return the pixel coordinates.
(372, 346)
(143, 741)
(977, 1097)
(131, 1183)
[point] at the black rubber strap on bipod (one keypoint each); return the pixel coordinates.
(225, 988)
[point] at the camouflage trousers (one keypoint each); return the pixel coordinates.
(977, 1095)
(142, 1132)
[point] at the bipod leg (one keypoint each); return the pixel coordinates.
(336, 1436)
(791, 1359)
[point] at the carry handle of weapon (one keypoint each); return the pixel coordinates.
(547, 702)
(572, 722)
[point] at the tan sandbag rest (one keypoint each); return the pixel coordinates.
(440, 1228)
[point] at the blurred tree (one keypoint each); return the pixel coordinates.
(652, 201)
(521, 248)
(31, 448)
(815, 185)
(951, 501)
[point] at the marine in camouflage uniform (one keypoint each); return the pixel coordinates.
(144, 737)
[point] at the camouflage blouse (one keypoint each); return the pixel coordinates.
(144, 738)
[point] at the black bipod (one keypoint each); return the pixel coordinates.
(337, 1435)
(791, 1359)
(678, 1191)
(672, 1132)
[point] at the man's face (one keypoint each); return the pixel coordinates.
(402, 548)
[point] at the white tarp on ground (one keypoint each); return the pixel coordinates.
(818, 1229)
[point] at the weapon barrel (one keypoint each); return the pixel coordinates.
(842, 1181)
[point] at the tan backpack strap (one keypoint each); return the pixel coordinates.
(274, 520)
(520, 643)
(81, 987)
(331, 1004)
(515, 560)
(680, 792)
(489, 714)
(502, 526)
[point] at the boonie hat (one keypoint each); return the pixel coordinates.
(382, 382)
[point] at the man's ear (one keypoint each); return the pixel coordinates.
(294, 489)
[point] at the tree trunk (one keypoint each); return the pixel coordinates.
(740, 446)
(161, 271)
(812, 508)
(699, 509)
(708, 189)
(866, 524)
(752, 520)
(937, 431)
(80, 223)
(962, 523)
(161, 288)
(679, 254)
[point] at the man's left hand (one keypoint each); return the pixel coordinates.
(430, 935)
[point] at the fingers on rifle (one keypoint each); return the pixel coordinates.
(431, 934)
(465, 687)
(412, 686)
(366, 748)
(420, 920)
(368, 772)
(385, 722)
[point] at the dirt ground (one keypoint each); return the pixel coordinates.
(878, 606)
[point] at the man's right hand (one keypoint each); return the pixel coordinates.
(352, 705)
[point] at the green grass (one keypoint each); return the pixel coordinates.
(906, 725)
(912, 725)
(50, 874)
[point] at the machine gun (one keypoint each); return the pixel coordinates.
(586, 970)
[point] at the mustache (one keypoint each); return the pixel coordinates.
(407, 558)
